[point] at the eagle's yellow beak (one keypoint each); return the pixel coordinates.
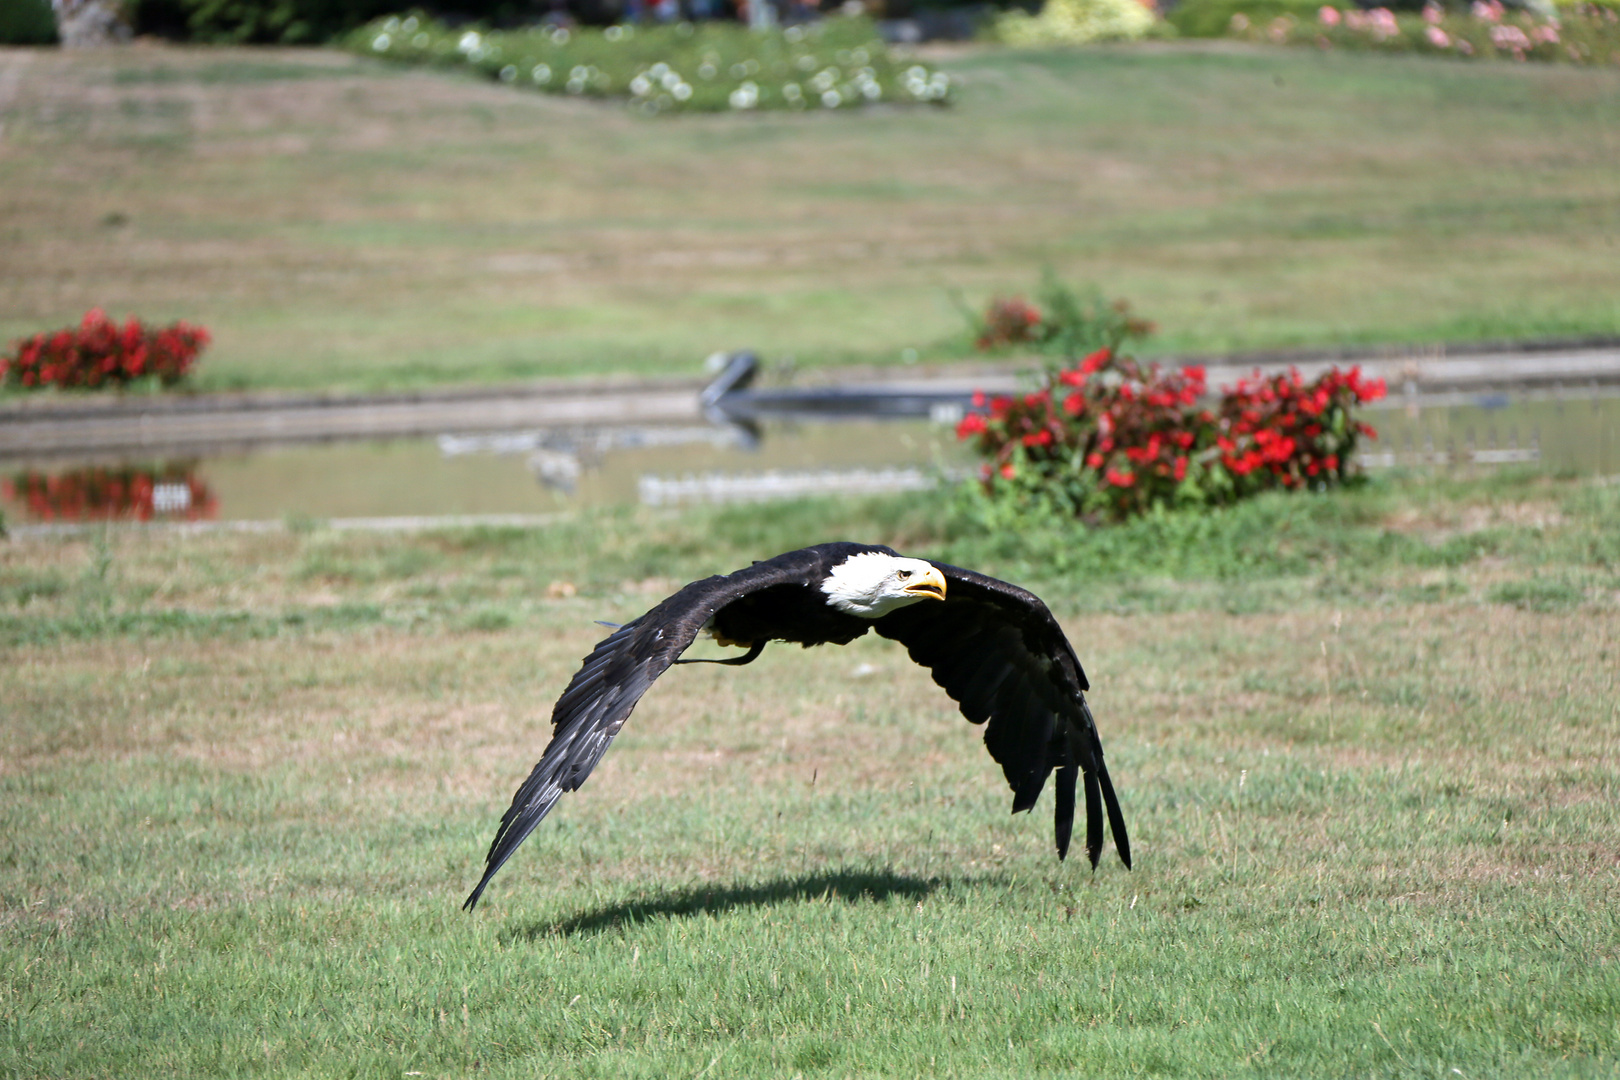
(930, 583)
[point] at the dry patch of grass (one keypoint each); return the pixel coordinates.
(1435, 525)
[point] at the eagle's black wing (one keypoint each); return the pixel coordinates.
(619, 670)
(1000, 654)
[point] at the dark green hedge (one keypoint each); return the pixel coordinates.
(236, 21)
(305, 21)
(27, 22)
(294, 22)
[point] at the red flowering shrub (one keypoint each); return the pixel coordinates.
(101, 353)
(1277, 431)
(124, 493)
(1111, 438)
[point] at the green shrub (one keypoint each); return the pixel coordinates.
(1063, 323)
(27, 22)
(1076, 22)
(832, 64)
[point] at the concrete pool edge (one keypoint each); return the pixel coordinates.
(30, 430)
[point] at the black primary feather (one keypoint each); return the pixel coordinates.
(993, 647)
(997, 650)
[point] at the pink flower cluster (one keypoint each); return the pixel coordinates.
(1121, 437)
(1379, 23)
(1491, 26)
(1509, 37)
(101, 353)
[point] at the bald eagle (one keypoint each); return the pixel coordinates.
(993, 647)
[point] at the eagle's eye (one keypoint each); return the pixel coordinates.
(903, 574)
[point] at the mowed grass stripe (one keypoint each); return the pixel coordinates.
(431, 228)
(1521, 539)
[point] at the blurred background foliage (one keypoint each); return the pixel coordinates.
(308, 21)
(30, 22)
(1213, 18)
(27, 22)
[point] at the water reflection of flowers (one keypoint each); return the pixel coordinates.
(113, 493)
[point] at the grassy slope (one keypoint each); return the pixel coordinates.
(430, 228)
(1366, 746)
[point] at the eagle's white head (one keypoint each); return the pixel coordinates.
(873, 584)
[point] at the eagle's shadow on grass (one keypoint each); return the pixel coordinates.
(849, 886)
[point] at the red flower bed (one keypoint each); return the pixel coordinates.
(101, 353)
(127, 493)
(1112, 438)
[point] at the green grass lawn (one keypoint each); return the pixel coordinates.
(1366, 745)
(338, 222)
